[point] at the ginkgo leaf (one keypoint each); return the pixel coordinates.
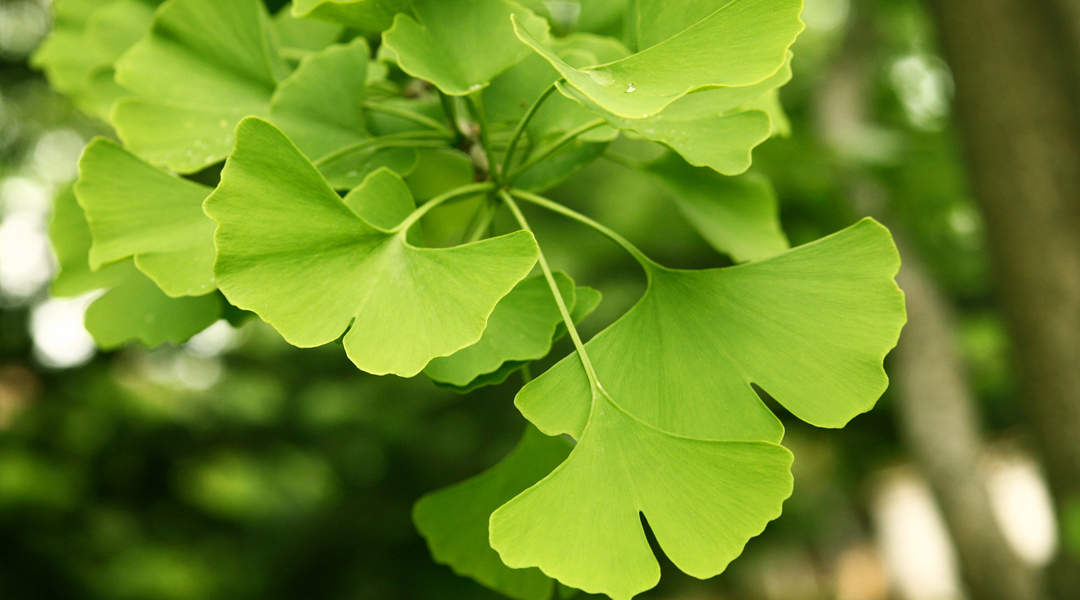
(86, 38)
(383, 199)
(718, 43)
(461, 45)
(739, 216)
(454, 520)
(204, 66)
(319, 105)
(596, 16)
(702, 499)
(137, 310)
(346, 171)
(138, 210)
(439, 170)
(133, 308)
(305, 34)
(520, 328)
(713, 128)
(810, 326)
(585, 302)
(368, 15)
(290, 250)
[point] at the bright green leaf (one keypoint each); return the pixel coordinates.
(454, 520)
(204, 66)
(319, 105)
(715, 43)
(290, 250)
(138, 210)
(136, 310)
(461, 45)
(368, 15)
(86, 38)
(811, 326)
(133, 308)
(520, 328)
(738, 216)
(382, 199)
(702, 499)
(309, 35)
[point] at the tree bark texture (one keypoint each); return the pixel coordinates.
(1017, 82)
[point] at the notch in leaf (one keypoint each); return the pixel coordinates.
(811, 326)
(292, 251)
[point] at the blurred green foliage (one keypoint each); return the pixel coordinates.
(270, 472)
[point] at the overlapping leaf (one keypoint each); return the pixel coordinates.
(454, 520)
(87, 38)
(461, 45)
(290, 250)
(132, 308)
(368, 15)
(318, 105)
(204, 66)
(138, 210)
(684, 47)
(738, 216)
(702, 499)
(520, 328)
(811, 326)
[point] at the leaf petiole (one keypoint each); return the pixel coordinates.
(594, 382)
(408, 115)
(646, 263)
(465, 190)
(522, 124)
(408, 139)
(568, 137)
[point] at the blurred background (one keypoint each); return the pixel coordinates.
(235, 466)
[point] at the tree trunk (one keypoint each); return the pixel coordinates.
(939, 420)
(1016, 93)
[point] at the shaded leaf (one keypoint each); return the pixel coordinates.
(382, 199)
(454, 520)
(520, 329)
(461, 45)
(739, 216)
(368, 15)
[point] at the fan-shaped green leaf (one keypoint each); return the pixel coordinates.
(439, 170)
(716, 128)
(382, 199)
(703, 501)
(368, 15)
(811, 326)
(302, 34)
(137, 310)
(87, 37)
(133, 308)
(461, 45)
(138, 210)
(319, 105)
(586, 301)
(204, 66)
(520, 328)
(290, 250)
(738, 216)
(717, 43)
(454, 520)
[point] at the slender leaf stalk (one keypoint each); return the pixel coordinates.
(522, 124)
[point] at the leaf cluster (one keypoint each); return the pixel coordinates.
(312, 168)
